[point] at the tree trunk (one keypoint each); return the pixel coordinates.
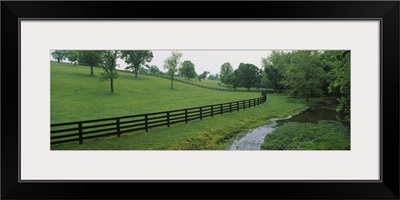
(136, 71)
(307, 96)
(172, 81)
(91, 71)
(112, 85)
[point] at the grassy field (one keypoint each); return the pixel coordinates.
(324, 135)
(213, 83)
(207, 134)
(77, 96)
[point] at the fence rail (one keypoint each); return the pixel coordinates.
(89, 129)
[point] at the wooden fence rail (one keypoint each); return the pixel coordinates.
(83, 130)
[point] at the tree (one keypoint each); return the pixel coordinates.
(72, 56)
(233, 79)
(274, 67)
(154, 70)
(136, 58)
(212, 77)
(91, 58)
(304, 75)
(187, 70)
(226, 69)
(59, 55)
(172, 63)
(203, 75)
(340, 75)
(109, 62)
(248, 75)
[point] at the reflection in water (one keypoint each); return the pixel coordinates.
(253, 139)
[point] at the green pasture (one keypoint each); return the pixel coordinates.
(75, 95)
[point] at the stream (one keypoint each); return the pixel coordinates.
(255, 137)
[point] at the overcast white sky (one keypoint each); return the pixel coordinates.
(209, 60)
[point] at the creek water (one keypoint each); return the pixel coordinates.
(255, 137)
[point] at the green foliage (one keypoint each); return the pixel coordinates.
(274, 67)
(324, 135)
(72, 56)
(213, 77)
(172, 64)
(59, 55)
(233, 79)
(187, 69)
(154, 70)
(202, 75)
(109, 62)
(90, 58)
(340, 74)
(226, 69)
(248, 74)
(136, 58)
(304, 75)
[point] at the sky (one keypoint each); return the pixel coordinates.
(208, 60)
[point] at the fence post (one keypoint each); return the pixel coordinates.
(80, 133)
(186, 116)
(118, 128)
(145, 122)
(230, 107)
(249, 103)
(168, 119)
(237, 106)
(244, 105)
(201, 113)
(254, 102)
(220, 108)
(212, 110)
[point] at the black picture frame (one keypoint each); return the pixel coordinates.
(386, 11)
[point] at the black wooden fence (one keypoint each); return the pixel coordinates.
(83, 130)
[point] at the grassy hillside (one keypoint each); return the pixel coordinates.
(77, 96)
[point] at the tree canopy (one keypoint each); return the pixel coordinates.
(90, 58)
(109, 63)
(187, 70)
(226, 69)
(136, 58)
(172, 64)
(59, 55)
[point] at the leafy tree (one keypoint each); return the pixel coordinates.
(72, 55)
(248, 75)
(304, 75)
(143, 70)
(154, 70)
(91, 58)
(340, 74)
(226, 69)
(233, 79)
(274, 67)
(136, 58)
(172, 63)
(213, 77)
(203, 75)
(187, 70)
(109, 63)
(59, 55)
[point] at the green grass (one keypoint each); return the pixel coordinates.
(77, 96)
(324, 135)
(208, 134)
(207, 83)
